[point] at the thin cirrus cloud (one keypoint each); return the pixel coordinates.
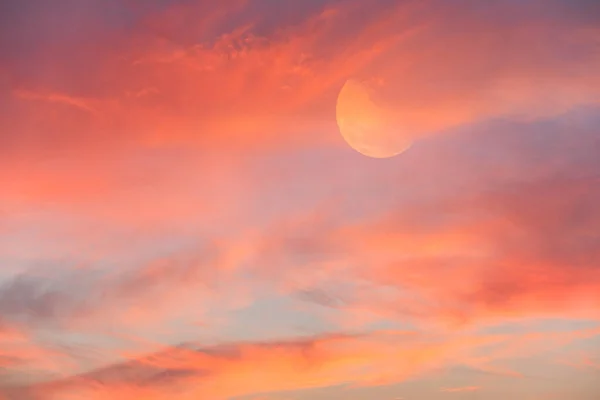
(173, 168)
(229, 371)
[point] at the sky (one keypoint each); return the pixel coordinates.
(181, 217)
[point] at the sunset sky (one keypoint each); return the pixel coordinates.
(181, 217)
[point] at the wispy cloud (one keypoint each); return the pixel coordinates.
(461, 389)
(229, 370)
(59, 98)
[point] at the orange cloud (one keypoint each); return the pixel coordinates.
(582, 361)
(226, 371)
(245, 89)
(513, 253)
(240, 86)
(25, 359)
(231, 371)
(461, 389)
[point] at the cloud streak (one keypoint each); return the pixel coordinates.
(229, 370)
(461, 389)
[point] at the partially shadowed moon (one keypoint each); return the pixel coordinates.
(366, 126)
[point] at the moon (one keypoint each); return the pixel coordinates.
(366, 126)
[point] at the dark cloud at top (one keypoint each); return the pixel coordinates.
(59, 43)
(581, 12)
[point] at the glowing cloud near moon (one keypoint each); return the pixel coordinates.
(366, 126)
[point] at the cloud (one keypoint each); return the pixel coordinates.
(581, 361)
(68, 296)
(78, 318)
(251, 79)
(243, 81)
(508, 233)
(509, 71)
(229, 370)
(230, 85)
(24, 358)
(461, 389)
(55, 98)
